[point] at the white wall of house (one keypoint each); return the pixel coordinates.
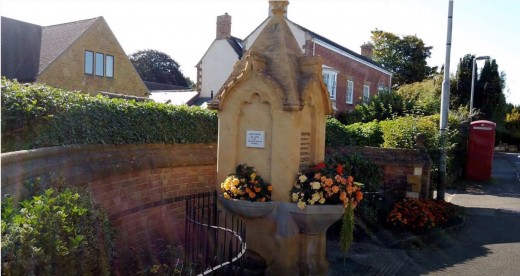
(217, 63)
(298, 33)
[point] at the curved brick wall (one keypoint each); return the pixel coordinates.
(141, 186)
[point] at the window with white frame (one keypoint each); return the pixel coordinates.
(366, 93)
(350, 91)
(329, 78)
(381, 88)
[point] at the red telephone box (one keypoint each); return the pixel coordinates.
(481, 146)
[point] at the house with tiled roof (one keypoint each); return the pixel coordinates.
(79, 56)
(350, 77)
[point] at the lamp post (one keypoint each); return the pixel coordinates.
(473, 80)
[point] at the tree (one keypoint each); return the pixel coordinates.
(159, 67)
(488, 96)
(404, 56)
(423, 97)
(461, 86)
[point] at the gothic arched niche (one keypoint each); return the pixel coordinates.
(255, 117)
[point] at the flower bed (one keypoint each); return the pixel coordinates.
(421, 215)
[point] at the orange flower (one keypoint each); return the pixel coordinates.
(349, 189)
(270, 188)
(252, 195)
(335, 189)
(258, 189)
(350, 179)
(329, 182)
(343, 196)
(359, 195)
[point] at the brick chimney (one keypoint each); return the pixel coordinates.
(223, 26)
(367, 50)
(279, 6)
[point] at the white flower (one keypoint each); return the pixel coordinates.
(315, 185)
(302, 178)
(301, 205)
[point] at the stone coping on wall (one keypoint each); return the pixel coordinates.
(80, 164)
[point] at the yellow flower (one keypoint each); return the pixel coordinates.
(294, 197)
(226, 196)
(235, 181)
(302, 178)
(315, 197)
(253, 175)
(301, 205)
(315, 185)
(322, 200)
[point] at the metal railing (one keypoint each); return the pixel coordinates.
(214, 241)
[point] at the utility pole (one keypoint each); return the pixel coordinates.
(445, 105)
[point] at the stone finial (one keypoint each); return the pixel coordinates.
(278, 7)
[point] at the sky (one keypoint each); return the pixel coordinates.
(184, 29)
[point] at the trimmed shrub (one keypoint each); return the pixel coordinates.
(56, 232)
(358, 134)
(401, 133)
(36, 115)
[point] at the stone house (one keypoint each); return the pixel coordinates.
(350, 77)
(82, 55)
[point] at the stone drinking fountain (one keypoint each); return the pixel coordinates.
(272, 112)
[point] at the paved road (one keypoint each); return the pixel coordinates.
(488, 244)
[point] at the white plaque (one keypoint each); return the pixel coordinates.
(255, 139)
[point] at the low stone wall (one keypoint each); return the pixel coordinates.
(141, 186)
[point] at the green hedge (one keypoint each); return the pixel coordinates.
(358, 134)
(400, 133)
(36, 115)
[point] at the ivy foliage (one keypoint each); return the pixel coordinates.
(36, 115)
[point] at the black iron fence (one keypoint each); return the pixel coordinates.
(215, 241)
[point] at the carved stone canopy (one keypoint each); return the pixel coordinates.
(276, 57)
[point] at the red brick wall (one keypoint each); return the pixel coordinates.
(141, 186)
(359, 73)
(397, 165)
(149, 204)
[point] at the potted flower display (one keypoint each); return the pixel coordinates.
(243, 190)
(328, 184)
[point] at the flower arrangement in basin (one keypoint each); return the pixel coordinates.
(244, 190)
(328, 184)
